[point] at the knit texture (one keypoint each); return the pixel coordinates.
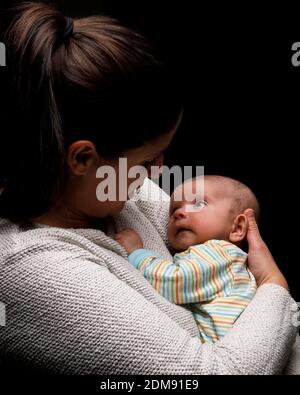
(75, 305)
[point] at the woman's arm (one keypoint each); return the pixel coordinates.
(74, 316)
(293, 366)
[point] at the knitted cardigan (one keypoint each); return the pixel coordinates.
(74, 305)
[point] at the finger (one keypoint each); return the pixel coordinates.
(253, 234)
(251, 219)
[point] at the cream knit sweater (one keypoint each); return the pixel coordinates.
(75, 305)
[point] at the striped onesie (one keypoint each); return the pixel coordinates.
(210, 278)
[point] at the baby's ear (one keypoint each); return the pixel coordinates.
(239, 229)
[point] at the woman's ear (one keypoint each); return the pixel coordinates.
(81, 155)
(239, 229)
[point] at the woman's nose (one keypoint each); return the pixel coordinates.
(158, 162)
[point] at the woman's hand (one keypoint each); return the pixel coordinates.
(129, 239)
(260, 261)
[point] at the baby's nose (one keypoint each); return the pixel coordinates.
(180, 213)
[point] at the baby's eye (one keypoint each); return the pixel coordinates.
(200, 203)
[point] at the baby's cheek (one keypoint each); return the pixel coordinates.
(170, 231)
(205, 230)
(170, 235)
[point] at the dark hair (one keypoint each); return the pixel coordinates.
(104, 83)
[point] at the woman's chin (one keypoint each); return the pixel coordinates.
(116, 209)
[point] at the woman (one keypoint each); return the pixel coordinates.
(83, 94)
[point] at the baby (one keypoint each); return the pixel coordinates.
(208, 272)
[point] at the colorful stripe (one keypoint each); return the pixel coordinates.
(211, 278)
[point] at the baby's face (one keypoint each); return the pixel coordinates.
(212, 219)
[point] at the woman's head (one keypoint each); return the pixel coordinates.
(98, 94)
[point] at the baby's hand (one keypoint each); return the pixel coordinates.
(129, 239)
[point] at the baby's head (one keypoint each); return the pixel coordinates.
(219, 215)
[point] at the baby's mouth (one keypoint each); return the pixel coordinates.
(181, 230)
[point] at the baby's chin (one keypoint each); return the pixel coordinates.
(183, 240)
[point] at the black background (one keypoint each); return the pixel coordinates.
(241, 98)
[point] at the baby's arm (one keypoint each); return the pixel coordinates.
(129, 239)
(186, 279)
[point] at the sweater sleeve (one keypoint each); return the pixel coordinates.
(78, 318)
(293, 366)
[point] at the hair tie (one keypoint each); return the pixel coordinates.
(69, 28)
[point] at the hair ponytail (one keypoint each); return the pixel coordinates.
(100, 80)
(32, 127)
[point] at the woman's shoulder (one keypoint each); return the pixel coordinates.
(147, 212)
(23, 243)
